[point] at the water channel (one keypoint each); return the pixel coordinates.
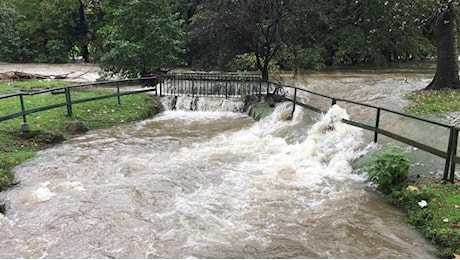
(208, 184)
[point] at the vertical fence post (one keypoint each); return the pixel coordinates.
(453, 142)
(161, 84)
(334, 101)
(449, 153)
(68, 101)
(454, 154)
(25, 127)
(118, 94)
(23, 109)
(294, 100)
(193, 87)
(260, 87)
(377, 124)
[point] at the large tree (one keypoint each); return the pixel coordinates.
(232, 27)
(447, 48)
(309, 34)
(49, 30)
(140, 37)
(9, 35)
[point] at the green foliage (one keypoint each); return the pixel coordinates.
(247, 62)
(433, 101)
(140, 37)
(8, 34)
(439, 219)
(388, 168)
(137, 37)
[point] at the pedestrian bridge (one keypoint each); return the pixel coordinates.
(238, 85)
(223, 85)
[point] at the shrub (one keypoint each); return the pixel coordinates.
(388, 168)
(247, 62)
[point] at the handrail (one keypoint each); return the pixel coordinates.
(450, 155)
(69, 102)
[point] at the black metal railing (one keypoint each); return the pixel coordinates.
(449, 154)
(225, 85)
(222, 85)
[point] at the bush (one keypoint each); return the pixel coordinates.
(388, 168)
(248, 62)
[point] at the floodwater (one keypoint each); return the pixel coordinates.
(207, 184)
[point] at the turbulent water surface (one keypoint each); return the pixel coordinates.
(197, 184)
(205, 185)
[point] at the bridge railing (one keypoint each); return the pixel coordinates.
(448, 152)
(237, 85)
(210, 84)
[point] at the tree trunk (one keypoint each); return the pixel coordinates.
(447, 63)
(83, 28)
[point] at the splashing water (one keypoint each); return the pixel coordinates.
(206, 185)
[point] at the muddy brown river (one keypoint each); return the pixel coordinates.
(209, 184)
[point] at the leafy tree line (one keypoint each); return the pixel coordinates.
(137, 37)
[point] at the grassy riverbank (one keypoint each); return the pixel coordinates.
(54, 126)
(433, 206)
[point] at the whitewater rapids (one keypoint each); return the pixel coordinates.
(205, 185)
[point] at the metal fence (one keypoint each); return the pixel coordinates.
(226, 85)
(449, 153)
(68, 91)
(222, 85)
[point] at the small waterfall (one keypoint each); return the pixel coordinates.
(195, 103)
(204, 185)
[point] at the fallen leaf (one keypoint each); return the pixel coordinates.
(457, 206)
(456, 256)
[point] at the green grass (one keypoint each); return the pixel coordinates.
(53, 126)
(13, 86)
(433, 102)
(439, 221)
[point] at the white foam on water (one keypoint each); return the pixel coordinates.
(191, 185)
(43, 193)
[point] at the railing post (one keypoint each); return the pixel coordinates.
(68, 101)
(23, 109)
(161, 86)
(118, 94)
(334, 101)
(449, 154)
(294, 100)
(25, 127)
(454, 154)
(377, 124)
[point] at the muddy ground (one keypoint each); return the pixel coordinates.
(73, 72)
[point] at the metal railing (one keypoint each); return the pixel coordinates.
(113, 86)
(226, 85)
(449, 154)
(222, 85)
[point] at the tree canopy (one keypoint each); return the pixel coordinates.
(140, 36)
(137, 37)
